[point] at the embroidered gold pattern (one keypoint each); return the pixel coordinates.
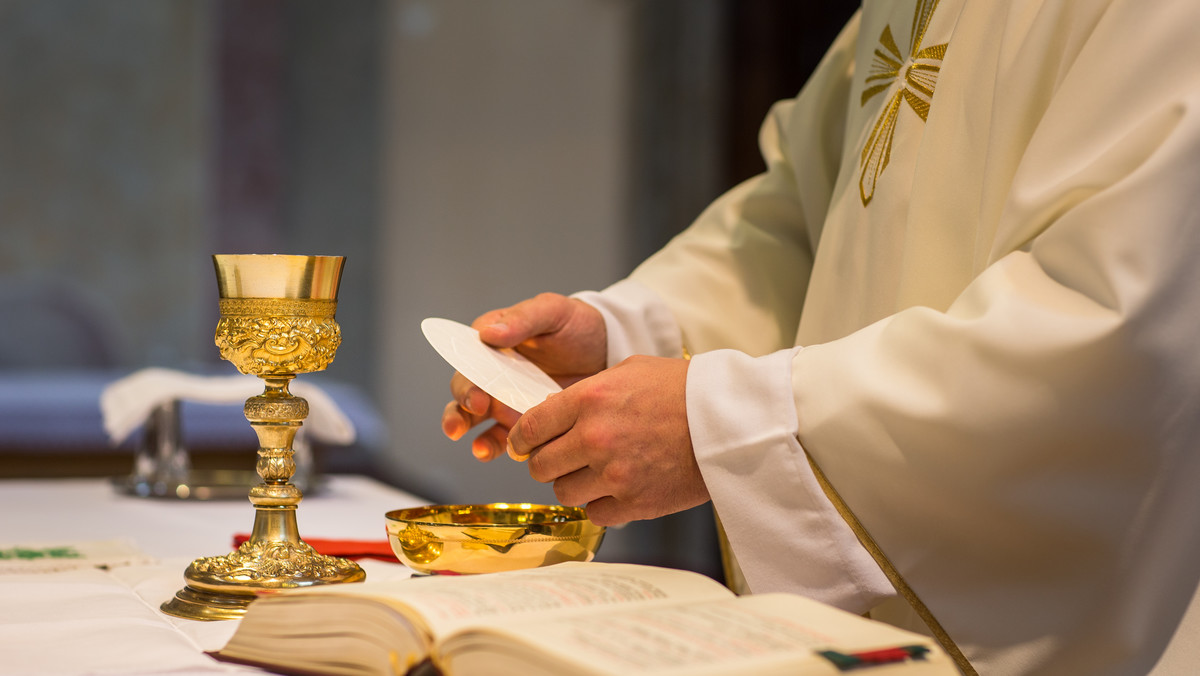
(917, 76)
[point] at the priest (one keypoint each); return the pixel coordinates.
(944, 352)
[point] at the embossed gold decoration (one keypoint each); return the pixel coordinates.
(265, 336)
(917, 75)
(277, 320)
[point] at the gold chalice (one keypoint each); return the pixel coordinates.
(277, 320)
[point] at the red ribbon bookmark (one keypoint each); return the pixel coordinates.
(870, 658)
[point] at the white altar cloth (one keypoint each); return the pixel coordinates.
(107, 622)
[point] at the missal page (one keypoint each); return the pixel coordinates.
(765, 634)
(446, 603)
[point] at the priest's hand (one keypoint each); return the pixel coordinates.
(564, 336)
(617, 442)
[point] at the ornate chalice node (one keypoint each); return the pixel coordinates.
(277, 320)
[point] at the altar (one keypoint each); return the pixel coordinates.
(107, 621)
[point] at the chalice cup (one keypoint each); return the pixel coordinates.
(277, 321)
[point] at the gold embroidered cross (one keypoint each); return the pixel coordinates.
(920, 72)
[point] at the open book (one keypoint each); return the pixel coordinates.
(572, 618)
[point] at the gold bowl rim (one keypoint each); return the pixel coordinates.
(278, 276)
(422, 515)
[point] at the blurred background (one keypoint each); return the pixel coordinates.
(462, 154)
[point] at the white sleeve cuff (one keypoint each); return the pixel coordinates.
(637, 321)
(784, 532)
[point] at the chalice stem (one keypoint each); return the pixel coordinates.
(275, 524)
(276, 416)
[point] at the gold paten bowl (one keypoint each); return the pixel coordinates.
(467, 539)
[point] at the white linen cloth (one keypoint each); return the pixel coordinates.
(126, 403)
(95, 622)
(994, 282)
(66, 624)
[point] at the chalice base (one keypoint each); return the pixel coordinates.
(273, 559)
(231, 602)
(197, 604)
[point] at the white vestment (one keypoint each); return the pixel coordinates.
(981, 222)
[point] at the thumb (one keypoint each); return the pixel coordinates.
(511, 326)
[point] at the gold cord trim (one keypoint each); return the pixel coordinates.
(892, 574)
(729, 566)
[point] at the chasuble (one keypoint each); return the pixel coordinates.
(947, 346)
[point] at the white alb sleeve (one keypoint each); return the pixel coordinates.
(784, 532)
(637, 321)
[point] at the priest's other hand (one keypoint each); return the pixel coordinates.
(617, 442)
(564, 336)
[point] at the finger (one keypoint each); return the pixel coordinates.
(543, 423)
(469, 397)
(504, 415)
(552, 461)
(490, 444)
(606, 511)
(478, 403)
(511, 326)
(454, 422)
(580, 487)
(513, 454)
